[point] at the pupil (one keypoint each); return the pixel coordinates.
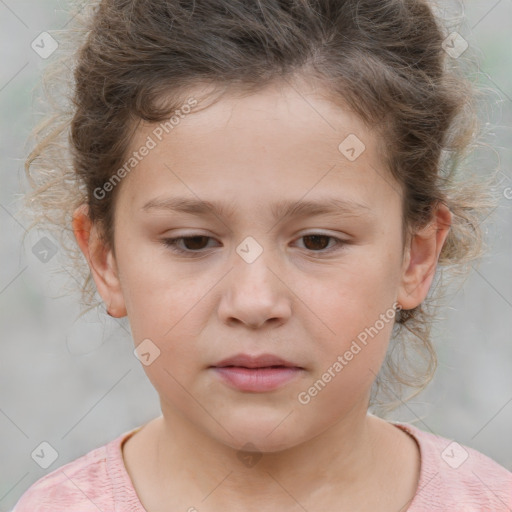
(188, 241)
(315, 239)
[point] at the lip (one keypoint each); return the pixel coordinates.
(257, 361)
(256, 374)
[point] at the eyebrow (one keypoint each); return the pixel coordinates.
(280, 210)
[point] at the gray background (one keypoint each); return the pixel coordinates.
(76, 384)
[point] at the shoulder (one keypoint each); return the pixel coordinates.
(455, 476)
(85, 484)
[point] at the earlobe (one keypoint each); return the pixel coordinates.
(101, 261)
(421, 258)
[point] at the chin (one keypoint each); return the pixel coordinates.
(261, 435)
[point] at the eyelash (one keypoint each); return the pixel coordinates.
(172, 244)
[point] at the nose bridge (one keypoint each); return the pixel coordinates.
(253, 264)
(253, 292)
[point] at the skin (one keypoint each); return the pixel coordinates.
(296, 300)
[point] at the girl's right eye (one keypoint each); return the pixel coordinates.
(195, 243)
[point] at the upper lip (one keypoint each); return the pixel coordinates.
(259, 361)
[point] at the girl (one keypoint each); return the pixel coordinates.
(265, 189)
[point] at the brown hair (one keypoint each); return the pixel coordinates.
(139, 59)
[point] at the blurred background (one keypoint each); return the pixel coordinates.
(74, 382)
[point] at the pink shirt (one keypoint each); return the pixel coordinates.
(453, 478)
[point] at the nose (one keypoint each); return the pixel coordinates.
(255, 294)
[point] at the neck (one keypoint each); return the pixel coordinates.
(339, 457)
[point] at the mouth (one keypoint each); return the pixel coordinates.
(260, 361)
(256, 374)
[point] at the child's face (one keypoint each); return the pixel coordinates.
(304, 300)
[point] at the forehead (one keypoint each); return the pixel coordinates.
(285, 114)
(281, 140)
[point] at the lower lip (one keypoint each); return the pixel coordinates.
(257, 379)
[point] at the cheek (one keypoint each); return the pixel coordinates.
(158, 295)
(352, 296)
(166, 306)
(347, 364)
(352, 317)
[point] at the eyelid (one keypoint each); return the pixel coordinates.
(339, 243)
(172, 244)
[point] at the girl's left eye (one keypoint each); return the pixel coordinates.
(317, 239)
(196, 244)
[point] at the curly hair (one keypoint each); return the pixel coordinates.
(127, 61)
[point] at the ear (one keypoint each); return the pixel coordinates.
(101, 261)
(421, 258)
